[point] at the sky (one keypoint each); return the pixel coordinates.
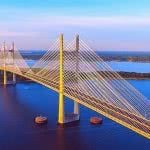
(103, 24)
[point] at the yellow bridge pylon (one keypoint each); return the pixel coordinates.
(61, 83)
(62, 117)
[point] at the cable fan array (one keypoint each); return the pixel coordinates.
(86, 72)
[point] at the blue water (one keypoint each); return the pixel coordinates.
(118, 66)
(130, 66)
(21, 103)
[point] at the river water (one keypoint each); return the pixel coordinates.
(21, 103)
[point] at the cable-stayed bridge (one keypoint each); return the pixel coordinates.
(74, 70)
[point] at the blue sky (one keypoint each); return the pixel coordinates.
(104, 24)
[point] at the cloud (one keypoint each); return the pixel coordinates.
(20, 34)
(46, 21)
(106, 21)
(89, 21)
(106, 32)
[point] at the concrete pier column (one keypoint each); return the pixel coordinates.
(76, 108)
(5, 76)
(76, 105)
(14, 78)
(13, 54)
(4, 73)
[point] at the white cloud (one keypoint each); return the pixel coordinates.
(89, 21)
(14, 34)
(43, 22)
(26, 31)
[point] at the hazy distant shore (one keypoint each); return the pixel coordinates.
(127, 75)
(106, 56)
(134, 75)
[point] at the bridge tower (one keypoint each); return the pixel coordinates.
(13, 55)
(62, 117)
(5, 80)
(76, 105)
(4, 57)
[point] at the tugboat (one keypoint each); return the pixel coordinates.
(96, 120)
(41, 120)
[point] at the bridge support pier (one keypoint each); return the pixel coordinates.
(76, 105)
(5, 77)
(14, 78)
(13, 54)
(4, 73)
(5, 80)
(76, 108)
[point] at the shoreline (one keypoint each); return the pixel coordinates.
(124, 75)
(134, 75)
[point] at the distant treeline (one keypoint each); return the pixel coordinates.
(128, 75)
(127, 58)
(134, 75)
(108, 57)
